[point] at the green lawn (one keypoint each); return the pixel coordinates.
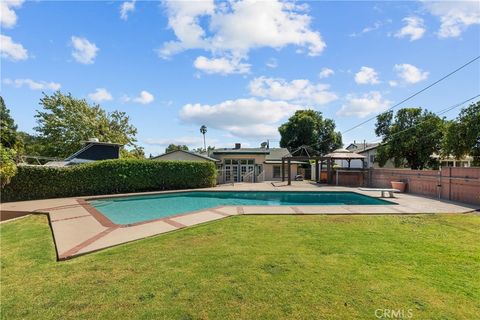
(253, 267)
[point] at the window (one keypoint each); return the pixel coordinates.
(372, 158)
(277, 172)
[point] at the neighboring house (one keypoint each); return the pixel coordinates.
(92, 150)
(450, 161)
(182, 155)
(251, 164)
(369, 150)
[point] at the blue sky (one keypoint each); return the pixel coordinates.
(241, 68)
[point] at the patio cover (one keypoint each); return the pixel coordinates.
(344, 154)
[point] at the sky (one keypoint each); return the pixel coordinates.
(241, 67)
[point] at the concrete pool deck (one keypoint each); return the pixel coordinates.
(78, 228)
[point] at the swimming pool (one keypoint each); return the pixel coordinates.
(133, 209)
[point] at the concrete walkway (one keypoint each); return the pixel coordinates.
(78, 228)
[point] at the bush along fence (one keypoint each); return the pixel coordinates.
(107, 177)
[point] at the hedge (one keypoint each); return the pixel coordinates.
(107, 177)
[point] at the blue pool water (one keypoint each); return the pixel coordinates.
(126, 210)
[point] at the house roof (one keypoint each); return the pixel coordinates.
(360, 147)
(270, 153)
(89, 144)
(188, 152)
(241, 151)
(344, 154)
(277, 154)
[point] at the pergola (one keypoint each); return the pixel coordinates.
(339, 154)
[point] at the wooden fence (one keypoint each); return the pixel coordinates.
(456, 184)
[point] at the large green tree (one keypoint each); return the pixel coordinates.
(462, 135)
(410, 138)
(174, 147)
(309, 128)
(66, 122)
(8, 128)
(9, 143)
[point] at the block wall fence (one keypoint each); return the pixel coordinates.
(448, 183)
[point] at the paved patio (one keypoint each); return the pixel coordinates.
(78, 228)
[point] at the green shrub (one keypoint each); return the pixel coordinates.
(107, 177)
(8, 167)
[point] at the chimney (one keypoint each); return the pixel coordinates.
(238, 145)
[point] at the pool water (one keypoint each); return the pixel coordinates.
(127, 210)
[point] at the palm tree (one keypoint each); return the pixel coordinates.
(203, 130)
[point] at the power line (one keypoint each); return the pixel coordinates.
(415, 94)
(443, 111)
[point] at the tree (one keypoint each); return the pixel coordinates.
(8, 129)
(410, 138)
(135, 153)
(29, 145)
(173, 147)
(462, 135)
(66, 122)
(8, 167)
(203, 130)
(202, 150)
(309, 128)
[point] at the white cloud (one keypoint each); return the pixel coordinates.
(410, 74)
(183, 19)
(234, 28)
(100, 94)
(272, 63)
(392, 83)
(414, 28)
(12, 50)
(242, 117)
(222, 66)
(125, 8)
(300, 91)
(145, 97)
(84, 51)
(33, 85)
(374, 27)
(362, 106)
(367, 75)
(455, 16)
(8, 17)
(325, 73)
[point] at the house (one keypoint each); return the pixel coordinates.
(369, 150)
(239, 164)
(182, 155)
(450, 161)
(92, 150)
(251, 164)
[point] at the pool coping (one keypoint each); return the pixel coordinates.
(106, 222)
(79, 228)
